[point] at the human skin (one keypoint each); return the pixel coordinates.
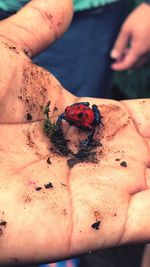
(136, 32)
(146, 258)
(56, 223)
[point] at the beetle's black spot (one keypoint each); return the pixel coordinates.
(96, 225)
(38, 188)
(3, 223)
(49, 185)
(86, 115)
(123, 164)
(80, 115)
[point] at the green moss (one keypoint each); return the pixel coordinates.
(54, 133)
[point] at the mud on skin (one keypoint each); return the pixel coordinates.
(3, 225)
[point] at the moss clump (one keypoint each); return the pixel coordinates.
(54, 133)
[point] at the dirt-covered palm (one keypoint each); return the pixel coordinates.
(88, 207)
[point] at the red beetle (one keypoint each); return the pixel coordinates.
(82, 116)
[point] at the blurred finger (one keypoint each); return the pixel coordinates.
(121, 44)
(127, 62)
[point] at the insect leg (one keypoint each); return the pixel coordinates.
(97, 115)
(89, 139)
(59, 120)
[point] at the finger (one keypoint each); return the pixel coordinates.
(38, 24)
(120, 44)
(138, 219)
(127, 61)
(146, 257)
(141, 116)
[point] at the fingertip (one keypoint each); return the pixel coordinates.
(127, 62)
(117, 67)
(114, 54)
(120, 65)
(120, 45)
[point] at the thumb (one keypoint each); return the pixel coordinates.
(38, 24)
(120, 45)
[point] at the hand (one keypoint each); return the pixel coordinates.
(50, 224)
(132, 47)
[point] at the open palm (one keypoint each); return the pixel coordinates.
(49, 211)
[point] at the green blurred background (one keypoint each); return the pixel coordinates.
(133, 83)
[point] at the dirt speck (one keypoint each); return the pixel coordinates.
(49, 185)
(29, 117)
(123, 164)
(38, 188)
(3, 223)
(96, 225)
(49, 160)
